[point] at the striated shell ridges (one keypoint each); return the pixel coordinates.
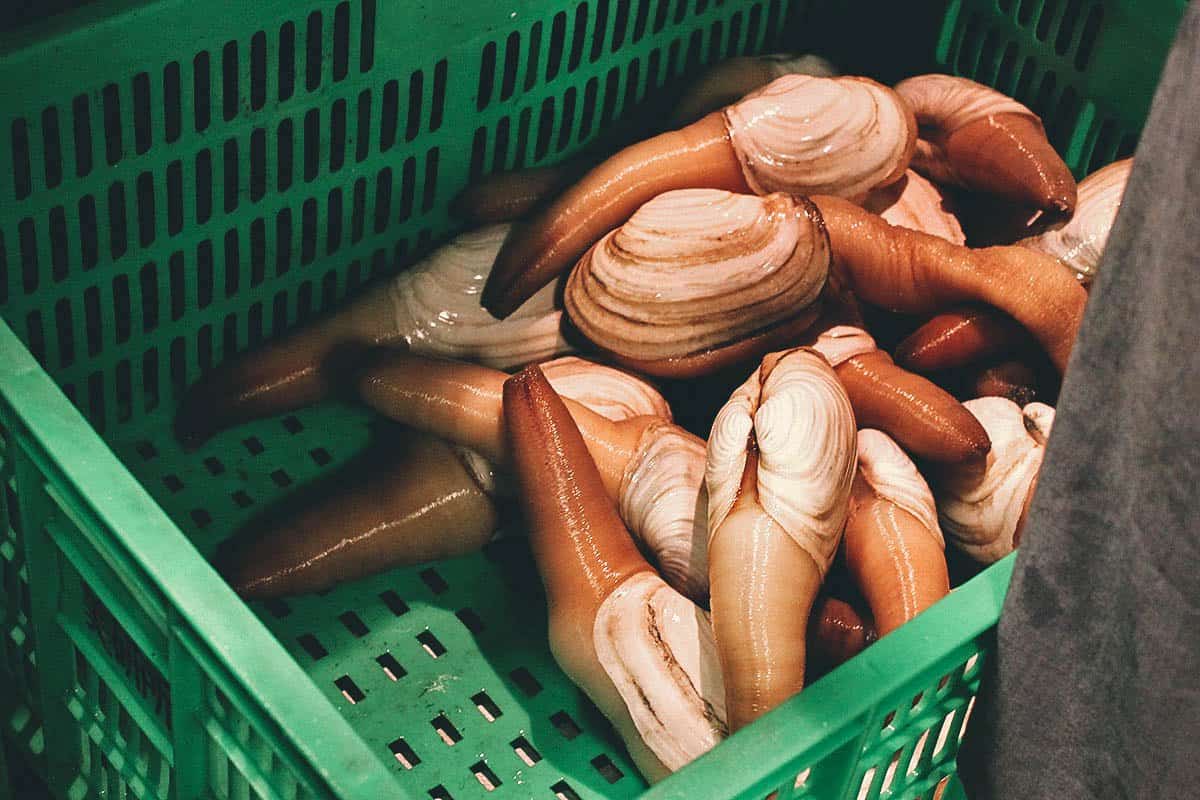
(950, 102)
(980, 507)
(917, 204)
(843, 342)
(438, 313)
(1079, 243)
(657, 648)
(610, 392)
(804, 430)
(663, 501)
(697, 269)
(893, 476)
(810, 135)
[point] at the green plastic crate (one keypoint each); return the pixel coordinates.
(180, 180)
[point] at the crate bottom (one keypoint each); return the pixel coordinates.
(443, 668)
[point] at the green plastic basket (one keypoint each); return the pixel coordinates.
(181, 180)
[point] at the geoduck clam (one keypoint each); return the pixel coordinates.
(780, 466)
(962, 336)
(732, 79)
(976, 137)
(917, 413)
(983, 506)
(1079, 242)
(653, 469)
(916, 203)
(894, 546)
(798, 135)
(916, 273)
(642, 652)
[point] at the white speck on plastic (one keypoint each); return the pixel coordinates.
(440, 684)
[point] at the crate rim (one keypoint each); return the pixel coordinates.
(933, 638)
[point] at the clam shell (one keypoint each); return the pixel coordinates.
(663, 501)
(802, 424)
(808, 135)
(657, 648)
(893, 476)
(437, 308)
(843, 342)
(1079, 242)
(610, 392)
(696, 269)
(915, 203)
(981, 506)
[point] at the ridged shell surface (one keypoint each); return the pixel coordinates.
(801, 422)
(843, 342)
(1079, 243)
(980, 507)
(663, 501)
(697, 269)
(945, 103)
(611, 393)
(808, 135)
(893, 476)
(438, 313)
(950, 102)
(914, 203)
(657, 648)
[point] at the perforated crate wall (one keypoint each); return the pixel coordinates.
(189, 205)
(180, 181)
(18, 667)
(1070, 61)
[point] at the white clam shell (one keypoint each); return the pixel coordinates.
(610, 392)
(808, 135)
(437, 308)
(664, 503)
(893, 476)
(697, 269)
(804, 429)
(729, 81)
(657, 648)
(843, 342)
(915, 203)
(981, 507)
(1079, 242)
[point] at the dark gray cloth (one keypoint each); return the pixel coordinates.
(1095, 688)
